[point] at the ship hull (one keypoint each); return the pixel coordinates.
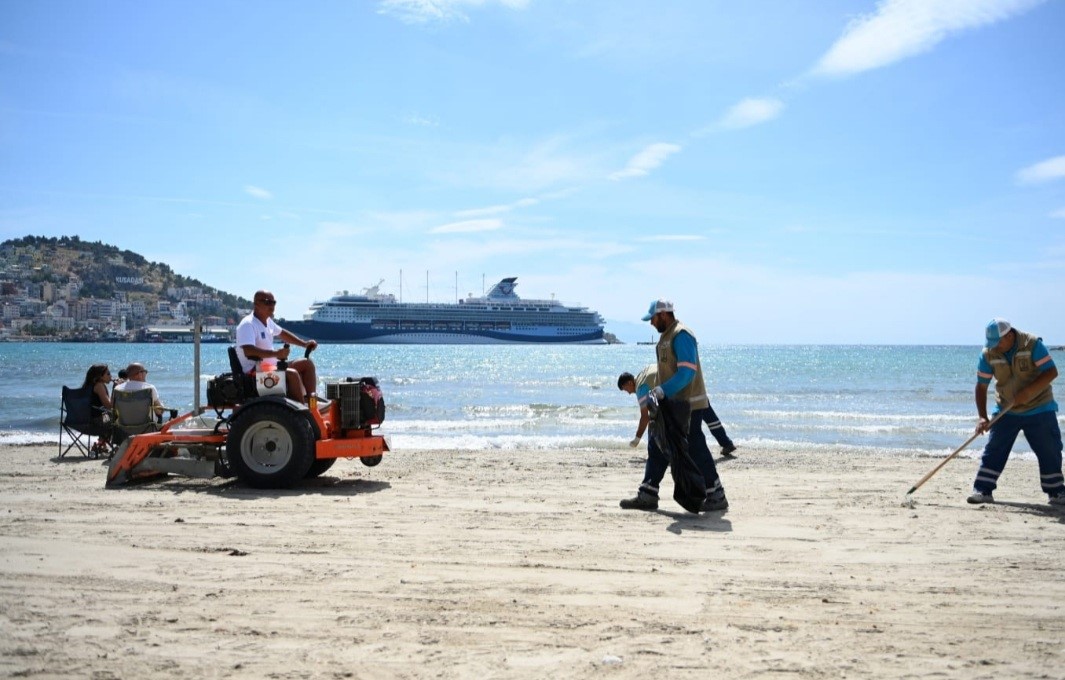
(362, 333)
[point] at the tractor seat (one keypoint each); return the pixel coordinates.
(245, 381)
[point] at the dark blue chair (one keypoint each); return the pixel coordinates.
(80, 421)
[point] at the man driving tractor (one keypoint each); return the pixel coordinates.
(255, 341)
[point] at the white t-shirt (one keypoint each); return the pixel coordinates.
(251, 331)
(134, 385)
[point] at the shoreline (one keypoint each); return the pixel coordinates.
(521, 564)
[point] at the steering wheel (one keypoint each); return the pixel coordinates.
(283, 363)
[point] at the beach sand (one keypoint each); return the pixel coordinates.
(520, 564)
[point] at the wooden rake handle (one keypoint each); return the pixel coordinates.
(958, 450)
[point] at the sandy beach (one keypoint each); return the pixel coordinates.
(520, 564)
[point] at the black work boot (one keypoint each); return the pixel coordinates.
(715, 500)
(642, 501)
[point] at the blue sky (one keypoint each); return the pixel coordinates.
(836, 172)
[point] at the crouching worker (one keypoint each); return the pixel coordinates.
(657, 463)
(255, 339)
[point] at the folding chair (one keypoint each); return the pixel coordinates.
(81, 422)
(135, 413)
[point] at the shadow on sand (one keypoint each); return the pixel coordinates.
(686, 521)
(237, 490)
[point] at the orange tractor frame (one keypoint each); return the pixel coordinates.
(266, 441)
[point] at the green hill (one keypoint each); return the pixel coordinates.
(75, 270)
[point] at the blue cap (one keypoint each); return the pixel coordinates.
(656, 307)
(996, 330)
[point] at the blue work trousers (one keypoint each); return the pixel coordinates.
(1043, 435)
(657, 461)
(713, 423)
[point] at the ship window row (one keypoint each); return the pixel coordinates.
(517, 318)
(466, 307)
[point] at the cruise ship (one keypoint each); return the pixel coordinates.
(496, 318)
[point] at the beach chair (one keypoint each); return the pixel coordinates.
(81, 422)
(135, 413)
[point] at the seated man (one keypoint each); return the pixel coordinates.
(255, 340)
(136, 379)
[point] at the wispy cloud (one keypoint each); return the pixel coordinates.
(1058, 214)
(515, 166)
(333, 231)
(497, 209)
(258, 192)
(420, 120)
(899, 29)
(672, 237)
(1044, 171)
(750, 112)
(647, 160)
(462, 251)
(467, 226)
(430, 11)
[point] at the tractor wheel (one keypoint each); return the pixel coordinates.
(370, 461)
(270, 446)
(319, 466)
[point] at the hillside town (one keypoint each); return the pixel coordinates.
(64, 289)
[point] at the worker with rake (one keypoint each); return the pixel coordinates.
(1023, 370)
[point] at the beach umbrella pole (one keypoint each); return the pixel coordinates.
(957, 451)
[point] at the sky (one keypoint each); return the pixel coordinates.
(840, 171)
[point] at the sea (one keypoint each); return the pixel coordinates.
(883, 400)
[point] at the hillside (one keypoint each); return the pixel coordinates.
(66, 284)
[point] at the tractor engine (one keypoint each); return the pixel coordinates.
(361, 403)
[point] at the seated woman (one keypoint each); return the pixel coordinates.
(99, 377)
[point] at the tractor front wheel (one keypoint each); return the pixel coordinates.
(319, 466)
(270, 446)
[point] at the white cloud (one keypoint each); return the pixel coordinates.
(420, 120)
(497, 209)
(428, 11)
(1044, 171)
(514, 166)
(522, 253)
(647, 160)
(258, 192)
(673, 237)
(467, 226)
(333, 232)
(750, 112)
(899, 29)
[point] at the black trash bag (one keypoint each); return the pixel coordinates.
(669, 427)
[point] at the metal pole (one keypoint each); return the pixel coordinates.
(196, 323)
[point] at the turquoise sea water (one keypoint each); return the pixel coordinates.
(904, 399)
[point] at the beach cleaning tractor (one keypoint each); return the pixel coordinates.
(251, 430)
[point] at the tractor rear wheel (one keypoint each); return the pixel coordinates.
(270, 446)
(319, 466)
